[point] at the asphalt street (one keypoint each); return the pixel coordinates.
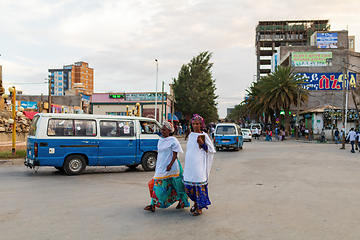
(268, 190)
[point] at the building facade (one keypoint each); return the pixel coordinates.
(72, 79)
(125, 103)
(324, 65)
(270, 35)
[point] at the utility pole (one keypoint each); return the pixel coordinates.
(49, 97)
(297, 115)
(332, 116)
(343, 110)
(162, 103)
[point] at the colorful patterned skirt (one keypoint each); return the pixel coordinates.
(164, 192)
(198, 192)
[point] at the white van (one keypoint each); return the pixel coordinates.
(70, 142)
(253, 126)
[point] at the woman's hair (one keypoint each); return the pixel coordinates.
(169, 126)
(197, 117)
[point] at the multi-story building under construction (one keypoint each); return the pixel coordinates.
(270, 35)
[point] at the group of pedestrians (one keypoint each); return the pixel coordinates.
(171, 183)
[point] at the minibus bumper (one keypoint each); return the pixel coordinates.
(30, 162)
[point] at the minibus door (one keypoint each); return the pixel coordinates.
(117, 143)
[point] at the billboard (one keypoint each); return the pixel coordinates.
(326, 40)
(326, 81)
(28, 105)
(143, 96)
(311, 59)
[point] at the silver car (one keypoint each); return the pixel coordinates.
(247, 136)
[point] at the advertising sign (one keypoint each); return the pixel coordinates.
(326, 81)
(311, 59)
(143, 96)
(28, 105)
(326, 40)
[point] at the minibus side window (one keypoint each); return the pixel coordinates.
(108, 129)
(60, 127)
(85, 128)
(33, 126)
(149, 127)
(126, 129)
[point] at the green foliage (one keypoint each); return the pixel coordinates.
(239, 112)
(8, 154)
(276, 91)
(194, 89)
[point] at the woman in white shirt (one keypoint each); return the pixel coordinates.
(198, 160)
(166, 187)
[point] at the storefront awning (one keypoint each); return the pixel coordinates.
(170, 117)
(29, 115)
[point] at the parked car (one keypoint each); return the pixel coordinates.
(246, 134)
(228, 135)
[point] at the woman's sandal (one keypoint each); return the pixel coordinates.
(150, 208)
(197, 212)
(193, 209)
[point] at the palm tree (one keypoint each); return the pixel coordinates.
(280, 89)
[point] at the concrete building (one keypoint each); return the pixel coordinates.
(72, 79)
(322, 64)
(270, 35)
(119, 103)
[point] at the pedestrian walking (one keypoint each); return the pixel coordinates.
(256, 135)
(323, 136)
(311, 134)
(166, 187)
(351, 137)
(337, 135)
(270, 135)
(198, 160)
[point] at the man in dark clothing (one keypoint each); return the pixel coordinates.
(336, 135)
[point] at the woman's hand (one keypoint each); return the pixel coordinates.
(168, 168)
(199, 140)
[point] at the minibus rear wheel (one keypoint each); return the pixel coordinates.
(148, 161)
(74, 164)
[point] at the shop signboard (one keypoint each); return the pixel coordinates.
(29, 105)
(143, 96)
(326, 81)
(311, 59)
(327, 40)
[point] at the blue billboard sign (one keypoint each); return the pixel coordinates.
(326, 81)
(326, 40)
(29, 105)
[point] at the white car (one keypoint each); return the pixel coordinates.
(247, 136)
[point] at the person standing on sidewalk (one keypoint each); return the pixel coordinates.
(351, 137)
(256, 135)
(336, 135)
(311, 134)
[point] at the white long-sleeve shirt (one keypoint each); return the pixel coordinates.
(351, 136)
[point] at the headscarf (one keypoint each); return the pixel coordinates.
(169, 126)
(200, 119)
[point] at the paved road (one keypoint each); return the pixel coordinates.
(268, 190)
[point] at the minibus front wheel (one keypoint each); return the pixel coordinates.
(74, 164)
(148, 161)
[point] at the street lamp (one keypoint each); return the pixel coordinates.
(157, 71)
(138, 109)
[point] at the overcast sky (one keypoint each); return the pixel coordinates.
(120, 39)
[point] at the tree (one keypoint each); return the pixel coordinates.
(194, 89)
(275, 92)
(238, 113)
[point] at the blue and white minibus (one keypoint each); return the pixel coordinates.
(70, 142)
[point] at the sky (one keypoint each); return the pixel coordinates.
(122, 39)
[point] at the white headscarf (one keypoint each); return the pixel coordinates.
(169, 126)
